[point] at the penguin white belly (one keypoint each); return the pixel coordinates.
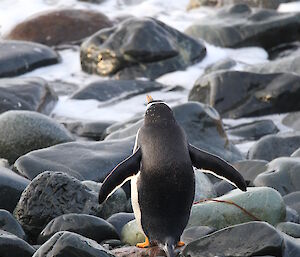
(134, 200)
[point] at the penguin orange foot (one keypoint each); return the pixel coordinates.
(180, 243)
(145, 244)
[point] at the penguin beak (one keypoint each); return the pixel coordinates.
(149, 99)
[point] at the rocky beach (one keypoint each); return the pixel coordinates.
(74, 76)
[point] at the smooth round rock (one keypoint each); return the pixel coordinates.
(18, 57)
(32, 94)
(293, 200)
(59, 26)
(118, 220)
(264, 203)
(193, 233)
(292, 120)
(223, 187)
(283, 174)
(131, 233)
(13, 246)
(8, 223)
(203, 187)
(86, 225)
(290, 228)
(274, 146)
(50, 195)
(11, 187)
(139, 47)
(69, 244)
(25, 131)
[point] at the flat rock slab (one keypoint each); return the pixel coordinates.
(240, 26)
(32, 94)
(72, 245)
(283, 174)
(25, 131)
(11, 187)
(59, 26)
(86, 225)
(18, 57)
(236, 94)
(82, 160)
(50, 195)
(12, 246)
(116, 90)
(273, 146)
(139, 47)
(249, 239)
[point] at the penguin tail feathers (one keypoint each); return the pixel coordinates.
(169, 247)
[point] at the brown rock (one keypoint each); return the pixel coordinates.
(59, 27)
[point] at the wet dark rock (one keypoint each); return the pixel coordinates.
(250, 169)
(290, 228)
(11, 187)
(293, 200)
(86, 225)
(13, 246)
(249, 239)
(281, 174)
(254, 130)
(284, 50)
(94, 130)
(32, 94)
(50, 195)
(18, 57)
(59, 26)
(253, 3)
(118, 220)
(203, 127)
(237, 94)
(82, 160)
(239, 26)
(273, 146)
(116, 90)
(25, 131)
(292, 120)
(69, 244)
(9, 224)
(193, 233)
(224, 64)
(139, 47)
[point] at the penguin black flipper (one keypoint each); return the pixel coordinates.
(218, 167)
(125, 169)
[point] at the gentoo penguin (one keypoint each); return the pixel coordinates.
(162, 177)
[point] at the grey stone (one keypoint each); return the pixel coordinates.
(223, 187)
(281, 174)
(203, 187)
(118, 220)
(263, 203)
(86, 225)
(236, 94)
(83, 160)
(292, 120)
(50, 195)
(18, 57)
(8, 223)
(194, 233)
(32, 94)
(25, 131)
(139, 47)
(11, 187)
(290, 228)
(239, 26)
(69, 244)
(293, 200)
(291, 215)
(131, 233)
(274, 146)
(224, 64)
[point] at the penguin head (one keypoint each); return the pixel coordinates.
(158, 112)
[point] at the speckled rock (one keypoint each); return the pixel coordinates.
(139, 47)
(264, 203)
(50, 195)
(32, 94)
(11, 187)
(274, 146)
(237, 94)
(25, 131)
(282, 174)
(82, 160)
(8, 223)
(86, 225)
(59, 26)
(69, 244)
(13, 246)
(18, 57)
(239, 26)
